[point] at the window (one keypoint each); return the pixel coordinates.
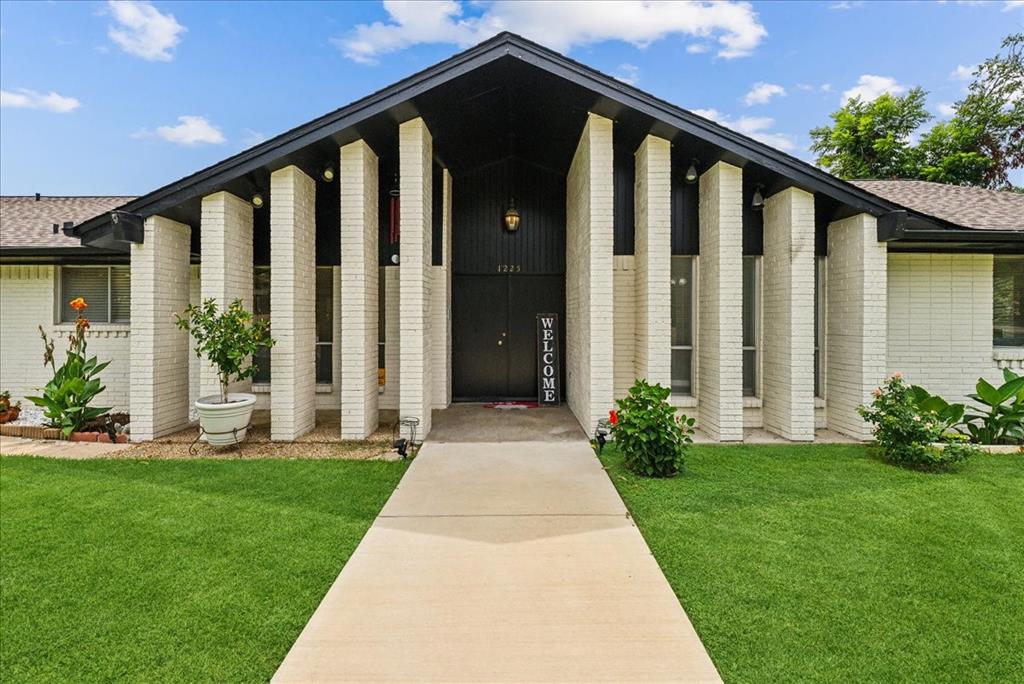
(819, 325)
(324, 322)
(1008, 301)
(106, 289)
(751, 303)
(682, 325)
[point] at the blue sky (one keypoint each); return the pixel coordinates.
(120, 98)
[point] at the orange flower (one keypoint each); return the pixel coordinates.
(78, 303)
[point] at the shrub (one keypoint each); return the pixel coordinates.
(652, 439)
(1004, 421)
(941, 411)
(66, 397)
(228, 339)
(905, 434)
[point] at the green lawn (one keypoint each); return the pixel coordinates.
(821, 563)
(171, 570)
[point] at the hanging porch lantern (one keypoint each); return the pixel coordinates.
(511, 217)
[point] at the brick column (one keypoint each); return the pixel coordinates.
(856, 326)
(653, 201)
(159, 351)
(415, 157)
(588, 275)
(359, 286)
(441, 311)
(787, 392)
(720, 303)
(226, 266)
(292, 303)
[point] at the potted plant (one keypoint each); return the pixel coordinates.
(228, 339)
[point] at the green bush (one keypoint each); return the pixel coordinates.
(652, 439)
(66, 397)
(1003, 423)
(907, 434)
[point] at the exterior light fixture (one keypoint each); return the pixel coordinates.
(511, 217)
(758, 200)
(328, 173)
(691, 172)
(257, 200)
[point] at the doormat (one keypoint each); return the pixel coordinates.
(512, 405)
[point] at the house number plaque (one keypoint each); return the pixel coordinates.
(548, 391)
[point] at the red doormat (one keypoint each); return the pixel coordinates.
(512, 405)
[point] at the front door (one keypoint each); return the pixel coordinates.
(494, 341)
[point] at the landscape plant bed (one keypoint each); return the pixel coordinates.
(825, 563)
(176, 571)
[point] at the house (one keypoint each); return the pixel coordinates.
(404, 245)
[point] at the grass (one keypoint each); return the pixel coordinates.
(822, 563)
(171, 570)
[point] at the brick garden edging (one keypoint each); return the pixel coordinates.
(42, 432)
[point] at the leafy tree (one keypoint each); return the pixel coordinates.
(872, 139)
(978, 146)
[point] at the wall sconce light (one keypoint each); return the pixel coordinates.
(758, 200)
(511, 217)
(328, 173)
(257, 200)
(691, 172)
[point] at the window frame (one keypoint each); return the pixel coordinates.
(756, 259)
(58, 304)
(998, 345)
(692, 347)
(820, 323)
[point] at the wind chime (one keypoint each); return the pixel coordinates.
(393, 220)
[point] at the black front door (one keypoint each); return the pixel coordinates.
(494, 333)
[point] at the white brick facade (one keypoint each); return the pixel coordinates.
(720, 305)
(787, 393)
(441, 305)
(226, 267)
(589, 241)
(856, 337)
(415, 153)
(159, 351)
(359, 288)
(28, 299)
(940, 321)
(292, 303)
(653, 201)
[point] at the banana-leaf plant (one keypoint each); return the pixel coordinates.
(944, 413)
(1003, 423)
(66, 397)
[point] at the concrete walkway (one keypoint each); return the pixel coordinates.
(57, 448)
(500, 562)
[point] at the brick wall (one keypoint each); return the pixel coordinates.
(27, 300)
(720, 306)
(160, 280)
(589, 275)
(293, 303)
(856, 337)
(940, 321)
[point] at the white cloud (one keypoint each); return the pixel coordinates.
(826, 87)
(628, 73)
(30, 99)
(190, 131)
(696, 48)
(945, 109)
(963, 72)
(869, 87)
(251, 138)
(559, 25)
(762, 92)
(754, 126)
(141, 30)
(845, 4)
(1012, 5)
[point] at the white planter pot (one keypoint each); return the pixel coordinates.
(225, 424)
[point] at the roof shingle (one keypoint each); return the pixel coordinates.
(28, 222)
(976, 208)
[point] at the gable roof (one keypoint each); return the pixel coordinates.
(975, 208)
(27, 221)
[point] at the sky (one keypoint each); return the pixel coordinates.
(120, 98)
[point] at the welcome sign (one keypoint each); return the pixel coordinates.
(548, 390)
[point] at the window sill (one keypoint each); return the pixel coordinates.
(264, 388)
(95, 329)
(1008, 353)
(819, 402)
(682, 401)
(751, 402)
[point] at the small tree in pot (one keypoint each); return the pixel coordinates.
(228, 340)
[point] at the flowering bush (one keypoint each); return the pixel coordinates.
(907, 434)
(66, 398)
(653, 441)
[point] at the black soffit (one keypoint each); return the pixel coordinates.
(522, 96)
